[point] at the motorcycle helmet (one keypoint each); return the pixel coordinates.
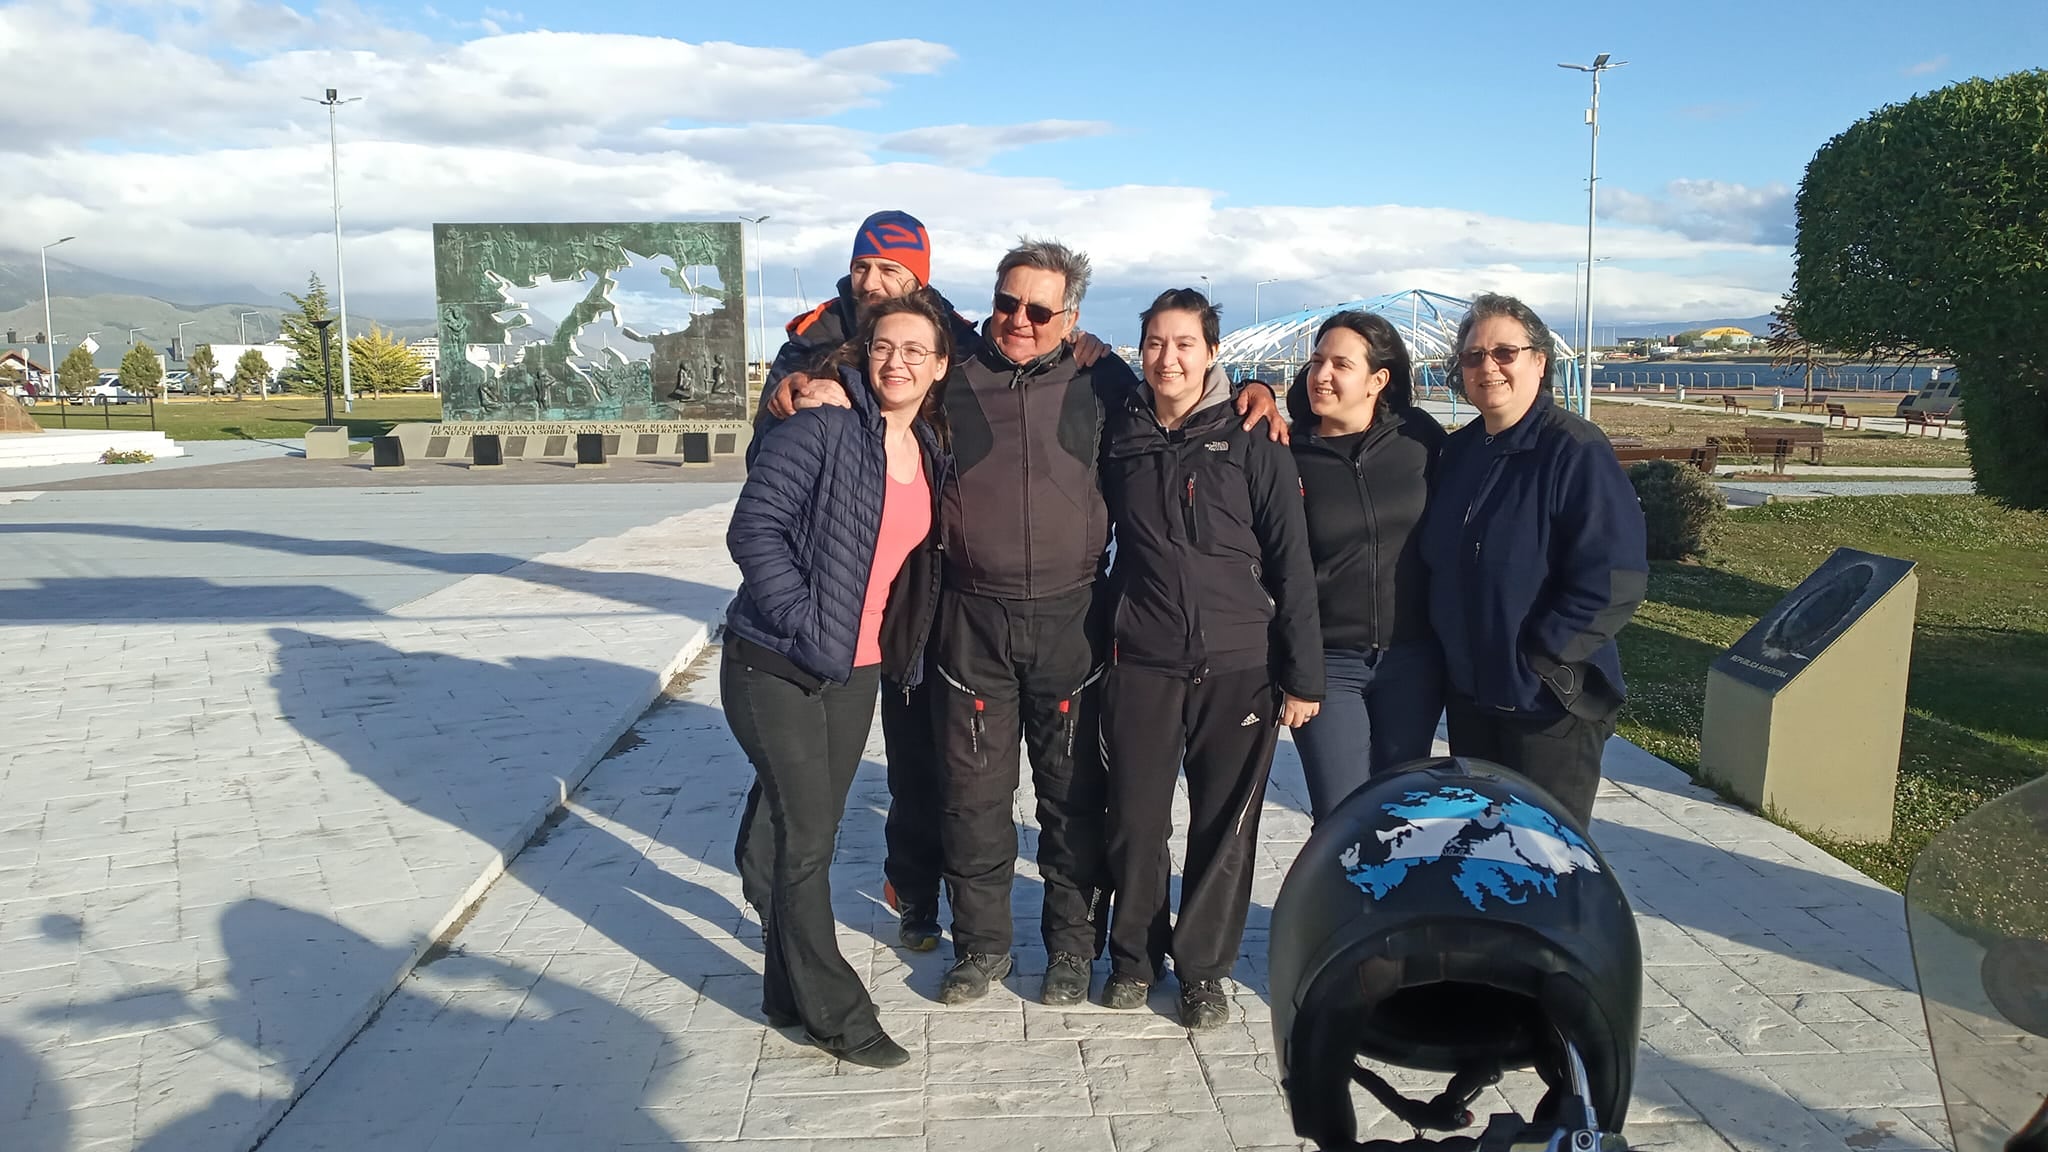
(1451, 916)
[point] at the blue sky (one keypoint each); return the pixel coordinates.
(1348, 149)
(1335, 103)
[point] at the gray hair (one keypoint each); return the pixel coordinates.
(1050, 256)
(1488, 305)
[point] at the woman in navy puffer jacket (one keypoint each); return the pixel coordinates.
(833, 535)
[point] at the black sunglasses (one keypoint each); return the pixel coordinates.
(1007, 304)
(1503, 354)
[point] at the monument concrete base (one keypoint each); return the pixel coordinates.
(695, 441)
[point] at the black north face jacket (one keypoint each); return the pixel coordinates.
(1212, 569)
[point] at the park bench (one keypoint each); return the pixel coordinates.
(1731, 404)
(1778, 442)
(1915, 418)
(1842, 413)
(1819, 403)
(1703, 457)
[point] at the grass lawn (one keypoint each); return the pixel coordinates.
(284, 418)
(1659, 426)
(1976, 721)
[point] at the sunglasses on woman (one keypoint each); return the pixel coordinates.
(1007, 304)
(1503, 354)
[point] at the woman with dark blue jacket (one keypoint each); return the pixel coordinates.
(833, 537)
(1534, 542)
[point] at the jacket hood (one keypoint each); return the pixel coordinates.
(1215, 390)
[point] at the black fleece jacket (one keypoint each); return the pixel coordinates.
(1212, 569)
(1365, 511)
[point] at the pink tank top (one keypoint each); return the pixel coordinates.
(906, 520)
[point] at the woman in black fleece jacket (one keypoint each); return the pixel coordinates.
(1367, 456)
(1214, 646)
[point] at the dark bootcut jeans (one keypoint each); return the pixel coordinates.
(805, 748)
(1222, 730)
(1560, 753)
(912, 831)
(1381, 712)
(1011, 670)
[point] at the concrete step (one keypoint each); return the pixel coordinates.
(79, 446)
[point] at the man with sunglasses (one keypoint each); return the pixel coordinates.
(891, 258)
(1019, 637)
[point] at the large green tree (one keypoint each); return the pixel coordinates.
(77, 374)
(381, 362)
(141, 372)
(1924, 228)
(252, 374)
(299, 331)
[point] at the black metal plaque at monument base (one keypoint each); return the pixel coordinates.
(1802, 625)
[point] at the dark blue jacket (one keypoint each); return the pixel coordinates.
(803, 534)
(1534, 544)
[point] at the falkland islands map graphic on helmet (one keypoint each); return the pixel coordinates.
(1505, 849)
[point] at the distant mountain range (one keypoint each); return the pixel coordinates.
(1754, 325)
(83, 301)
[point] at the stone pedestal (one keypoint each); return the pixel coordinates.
(1805, 713)
(327, 442)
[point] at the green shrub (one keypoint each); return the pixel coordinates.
(1683, 510)
(124, 456)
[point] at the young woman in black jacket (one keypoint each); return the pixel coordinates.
(1367, 455)
(1214, 645)
(833, 537)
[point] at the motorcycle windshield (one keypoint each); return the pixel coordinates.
(1977, 910)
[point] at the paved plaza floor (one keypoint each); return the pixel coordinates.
(262, 783)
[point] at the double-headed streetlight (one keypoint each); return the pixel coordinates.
(1601, 63)
(49, 329)
(333, 101)
(760, 293)
(1255, 296)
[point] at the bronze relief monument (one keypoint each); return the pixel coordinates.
(633, 330)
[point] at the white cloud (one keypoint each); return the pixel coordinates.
(972, 144)
(1712, 210)
(218, 173)
(1926, 67)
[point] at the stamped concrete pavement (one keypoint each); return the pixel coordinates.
(605, 994)
(262, 749)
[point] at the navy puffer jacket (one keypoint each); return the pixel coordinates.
(804, 530)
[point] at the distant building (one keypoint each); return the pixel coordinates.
(36, 376)
(1735, 337)
(226, 356)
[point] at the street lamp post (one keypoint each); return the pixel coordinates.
(49, 329)
(1255, 296)
(760, 294)
(327, 364)
(1601, 63)
(1578, 304)
(131, 335)
(242, 325)
(332, 102)
(1206, 294)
